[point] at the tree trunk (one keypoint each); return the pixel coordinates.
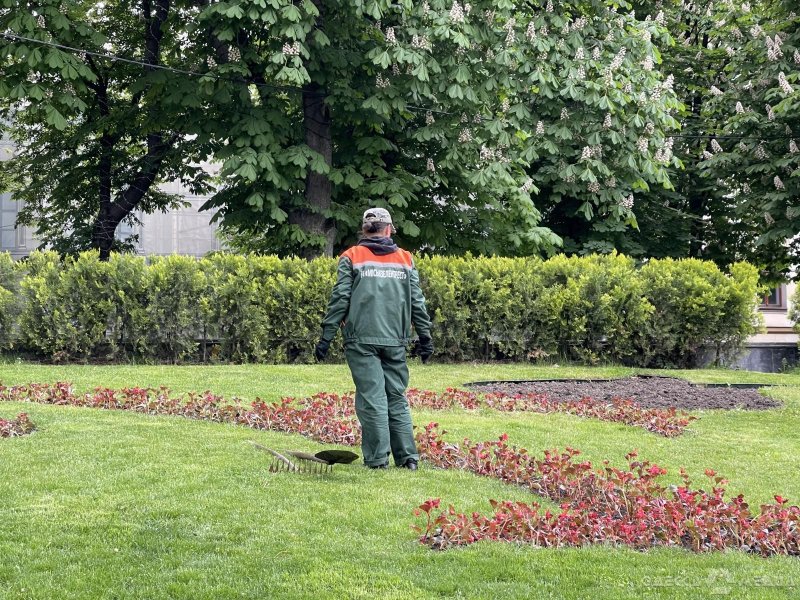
(311, 217)
(111, 213)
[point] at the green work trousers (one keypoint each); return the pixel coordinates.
(381, 376)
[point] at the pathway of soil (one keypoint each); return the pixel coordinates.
(649, 392)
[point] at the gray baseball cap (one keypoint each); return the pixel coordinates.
(377, 215)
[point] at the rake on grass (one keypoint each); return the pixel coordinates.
(317, 464)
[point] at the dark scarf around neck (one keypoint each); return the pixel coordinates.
(379, 246)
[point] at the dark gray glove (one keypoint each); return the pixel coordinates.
(425, 348)
(321, 351)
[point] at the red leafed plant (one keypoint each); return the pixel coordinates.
(326, 418)
(666, 422)
(19, 426)
(607, 505)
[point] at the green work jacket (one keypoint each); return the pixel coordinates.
(376, 299)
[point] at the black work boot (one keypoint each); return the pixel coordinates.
(383, 466)
(410, 464)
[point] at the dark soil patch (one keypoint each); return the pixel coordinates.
(649, 392)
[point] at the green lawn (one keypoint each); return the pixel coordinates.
(102, 504)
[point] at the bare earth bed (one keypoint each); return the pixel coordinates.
(649, 392)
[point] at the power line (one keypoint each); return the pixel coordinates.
(132, 61)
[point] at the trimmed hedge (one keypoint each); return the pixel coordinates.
(261, 308)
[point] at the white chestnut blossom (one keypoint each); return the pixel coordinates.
(617, 62)
(660, 20)
(549, 7)
(527, 185)
(539, 128)
(648, 63)
(464, 136)
(778, 183)
(715, 91)
(530, 32)
(430, 166)
(607, 121)
(649, 128)
(564, 114)
(707, 155)
(760, 152)
(41, 22)
(627, 202)
(774, 51)
(292, 49)
(739, 108)
(420, 42)
(211, 62)
(381, 81)
(456, 13)
(593, 187)
(489, 16)
(642, 144)
(596, 53)
(770, 113)
(716, 147)
(784, 85)
(579, 55)
(234, 54)
(611, 182)
(429, 120)
(505, 105)
(746, 188)
(796, 57)
(486, 154)
(391, 39)
(587, 153)
(792, 147)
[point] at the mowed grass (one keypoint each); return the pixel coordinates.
(100, 504)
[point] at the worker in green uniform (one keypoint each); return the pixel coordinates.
(376, 300)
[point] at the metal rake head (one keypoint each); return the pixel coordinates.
(315, 464)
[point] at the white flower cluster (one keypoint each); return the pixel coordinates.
(627, 202)
(774, 51)
(580, 75)
(668, 82)
(464, 118)
(660, 20)
(457, 13)
(477, 119)
(579, 53)
(505, 105)
(587, 153)
(792, 147)
(564, 114)
(770, 113)
(41, 22)
(429, 120)
(549, 7)
(768, 218)
(627, 88)
(796, 57)
(745, 7)
(737, 34)
(420, 42)
(395, 69)
(467, 8)
(607, 121)
(530, 31)
(649, 128)
(391, 39)
(611, 182)
(511, 34)
(489, 54)
(746, 188)
(560, 44)
(542, 57)
(593, 187)
(489, 16)
(211, 62)
(778, 183)
(464, 136)
(648, 63)
(539, 128)
(760, 152)
(292, 49)
(642, 144)
(234, 54)
(544, 31)
(756, 30)
(739, 108)
(527, 185)
(715, 91)
(579, 24)
(646, 35)
(486, 154)
(617, 62)
(664, 154)
(786, 88)
(707, 155)
(596, 53)
(381, 81)
(730, 51)
(430, 166)
(426, 8)
(716, 147)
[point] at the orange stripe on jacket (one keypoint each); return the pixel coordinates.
(359, 255)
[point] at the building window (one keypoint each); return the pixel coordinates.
(775, 299)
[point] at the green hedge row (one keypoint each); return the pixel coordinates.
(255, 308)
